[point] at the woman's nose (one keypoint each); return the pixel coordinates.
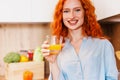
(71, 14)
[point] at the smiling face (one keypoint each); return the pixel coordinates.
(73, 14)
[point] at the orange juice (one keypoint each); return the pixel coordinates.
(54, 49)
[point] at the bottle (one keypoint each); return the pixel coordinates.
(37, 56)
(24, 52)
(30, 54)
(24, 56)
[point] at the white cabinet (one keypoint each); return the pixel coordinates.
(42, 10)
(26, 10)
(106, 8)
(15, 10)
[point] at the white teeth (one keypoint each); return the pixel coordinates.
(73, 22)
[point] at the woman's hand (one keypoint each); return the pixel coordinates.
(46, 52)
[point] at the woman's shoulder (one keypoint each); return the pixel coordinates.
(97, 38)
(101, 40)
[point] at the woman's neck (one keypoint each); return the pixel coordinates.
(75, 35)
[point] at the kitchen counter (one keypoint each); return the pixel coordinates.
(3, 78)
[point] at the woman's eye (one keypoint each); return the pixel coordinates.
(77, 10)
(65, 11)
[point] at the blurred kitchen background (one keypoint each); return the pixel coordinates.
(25, 23)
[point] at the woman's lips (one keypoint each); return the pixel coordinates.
(73, 22)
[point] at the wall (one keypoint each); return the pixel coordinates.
(112, 29)
(15, 37)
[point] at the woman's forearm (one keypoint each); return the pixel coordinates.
(54, 70)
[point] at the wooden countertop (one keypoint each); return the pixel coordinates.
(3, 78)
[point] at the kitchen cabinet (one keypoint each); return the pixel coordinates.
(106, 8)
(42, 10)
(26, 10)
(15, 10)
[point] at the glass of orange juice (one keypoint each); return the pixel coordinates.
(55, 44)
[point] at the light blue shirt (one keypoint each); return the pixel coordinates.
(95, 61)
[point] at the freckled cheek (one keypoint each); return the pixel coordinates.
(65, 16)
(65, 22)
(81, 17)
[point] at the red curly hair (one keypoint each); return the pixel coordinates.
(90, 26)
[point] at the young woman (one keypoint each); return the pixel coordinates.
(86, 53)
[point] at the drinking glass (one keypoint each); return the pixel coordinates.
(55, 44)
